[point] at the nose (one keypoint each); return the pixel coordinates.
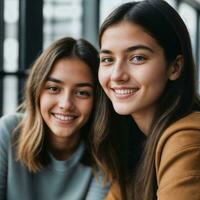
(66, 102)
(119, 72)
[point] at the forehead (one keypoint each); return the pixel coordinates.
(126, 34)
(71, 69)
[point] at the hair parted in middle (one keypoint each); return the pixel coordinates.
(30, 138)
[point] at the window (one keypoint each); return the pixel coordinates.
(10, 55)
(107, 6)
(172, 3)
(61, 18)
(189, 15)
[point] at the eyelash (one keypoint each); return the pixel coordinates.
(83, 93)
(53, 89)
(106, 60)
(138, 61)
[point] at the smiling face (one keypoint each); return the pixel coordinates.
(66, 100)
(133, 70)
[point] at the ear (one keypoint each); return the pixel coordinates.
(176, 68)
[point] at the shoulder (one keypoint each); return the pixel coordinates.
(9, 122)
(183, 133)
(7, 125)
(15, 117)
(178, 157)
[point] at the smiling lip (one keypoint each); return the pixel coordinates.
(123, 93)
(64, 118)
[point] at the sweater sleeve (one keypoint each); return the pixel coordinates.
(3, 158)
(178, 166)
(7, 123)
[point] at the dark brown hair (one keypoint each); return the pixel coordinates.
(180, 97)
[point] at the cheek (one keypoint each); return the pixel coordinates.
(42, 105)
(45, 102)
(103, 77)
(86, 107)
(153, 83)
(151, 78)
(41, 101)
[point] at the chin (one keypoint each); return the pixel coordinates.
(121, 110)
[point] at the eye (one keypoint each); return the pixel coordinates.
(53, 89)
(106, 60)
(83, 93)
(138, 59)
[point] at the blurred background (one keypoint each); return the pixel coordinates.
(29, 26)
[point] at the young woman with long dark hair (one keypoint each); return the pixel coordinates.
(147, 71)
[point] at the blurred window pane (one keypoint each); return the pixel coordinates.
(11, 6)
(61, 18)
(11, 17)
(10, 54)
(9, 94)
(172, 3)
(189, 15)
(107, 6)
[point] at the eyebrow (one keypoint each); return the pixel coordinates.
(54, 80)
(133, 48)
(129, 49)
(84, 84)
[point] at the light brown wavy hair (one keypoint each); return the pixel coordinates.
(30, 139)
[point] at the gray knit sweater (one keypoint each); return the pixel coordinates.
(61, 180)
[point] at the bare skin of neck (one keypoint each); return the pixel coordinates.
(62, 148)
(143, 121)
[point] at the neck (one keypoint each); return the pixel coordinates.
(62, 148)
(143, 121)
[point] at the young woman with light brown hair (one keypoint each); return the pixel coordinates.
(45, 151)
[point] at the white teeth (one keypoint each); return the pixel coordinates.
(125, 91)
(64, 117)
